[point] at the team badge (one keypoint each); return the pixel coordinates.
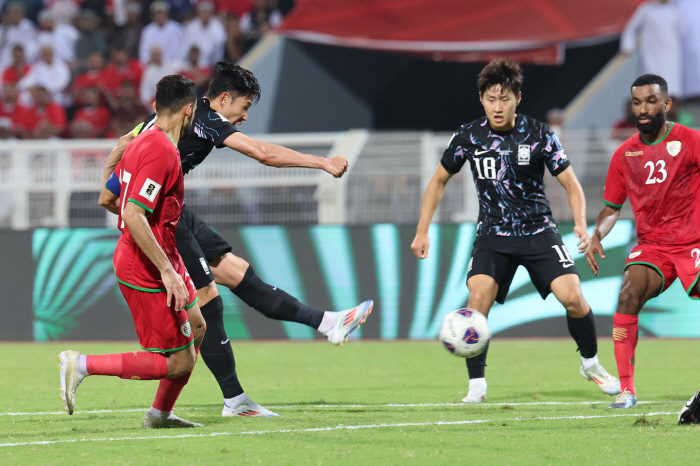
(150, 189)
(673, 148)
(186, 329)
(523, 154)
(635, 254)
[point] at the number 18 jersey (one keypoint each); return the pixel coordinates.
(661, 180)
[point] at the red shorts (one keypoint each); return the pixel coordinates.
(670, 261)
(158, 326)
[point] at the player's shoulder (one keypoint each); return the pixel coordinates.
(480, 125)
(634, 145)
(683, 132)
(528, 124)
(208, 115)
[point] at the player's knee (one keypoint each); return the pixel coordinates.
(479, 299)
(628, 303)
(574, 303)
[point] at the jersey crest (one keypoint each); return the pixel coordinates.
(673, 147)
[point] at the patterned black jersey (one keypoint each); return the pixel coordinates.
(209, 130)
(508, 170)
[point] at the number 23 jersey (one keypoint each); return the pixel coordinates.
(661, 181)
(508, 171)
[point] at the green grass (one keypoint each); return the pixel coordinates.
(316, 386)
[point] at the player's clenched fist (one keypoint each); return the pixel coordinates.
(337, 166)
(596, 248)
(420, 245)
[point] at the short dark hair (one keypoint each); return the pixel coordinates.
(174, 92)
(235, 80)
(505, 72)
(650, 80)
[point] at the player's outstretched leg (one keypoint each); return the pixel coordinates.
(277, 304)
(477, 381)
(218, 356)
(690, 412)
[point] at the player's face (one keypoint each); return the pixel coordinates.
(649, 105)
(500, 107)
(236, 110)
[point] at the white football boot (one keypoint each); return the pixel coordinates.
(166, 421)
(70, 378)
(477, 391)
(606, 382)
(347, 321)
(247, 408)
(624, 400)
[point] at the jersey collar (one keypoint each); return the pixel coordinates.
(171, 140)
(655, 143)
(518, 120)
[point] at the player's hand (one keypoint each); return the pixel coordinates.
(337, 166)
(584, 239)
(175, 289)
(596, 248)
(420, 245)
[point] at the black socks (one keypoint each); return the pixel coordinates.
(274, 303)
(477, 364)
(583, 332)
(216, 349)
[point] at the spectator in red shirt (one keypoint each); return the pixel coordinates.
(94, 113)
(45, 119)
(198, 74)
(9, 108)
(121, 68)
(90, 78)
(18, 68)
(127, 111)
(234, 7)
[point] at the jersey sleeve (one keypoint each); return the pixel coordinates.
(554, 154)
(150, 177)
(615, 191)
(455, 155)
(112, 183)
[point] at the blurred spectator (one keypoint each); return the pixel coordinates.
(680, 115)
(197, 73)
(555, 120)
(90, 78)
(127, 111)
(64, 11)
(156, 69)
(259, 21)
(44, 119)
(163, 33)
(235, 7)
(233, 50)
(690, 46)
(94, 113)
(61, 36)
(285, 6)
(51, 73)
(207, 34)
(91, 39)
(30, 8)
(18, 68)
(7, 128)
(116, 11)
(81, 129)
(653, 29)
(626, 126)
(9, 106)
(129, 35)
(121, 68)
(17, 30)
(180, 8)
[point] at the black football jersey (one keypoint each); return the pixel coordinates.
(508, 171)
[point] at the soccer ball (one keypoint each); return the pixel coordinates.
(465, 333)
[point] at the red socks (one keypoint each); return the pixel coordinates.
(169, 390)
(138, 365)
(625, 331)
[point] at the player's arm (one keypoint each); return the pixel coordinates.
(606, 221)
(134, 217)
(431, 201)
(116, 155)
(577, 201)
(273, 155)
(109, 201)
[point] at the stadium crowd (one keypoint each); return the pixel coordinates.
(89, 68)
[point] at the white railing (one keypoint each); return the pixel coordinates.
(55, 183)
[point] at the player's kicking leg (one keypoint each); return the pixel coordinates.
(579, 318)
(237, 275)
(639, 284)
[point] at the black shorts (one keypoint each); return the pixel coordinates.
(198, 245)
(543, 255)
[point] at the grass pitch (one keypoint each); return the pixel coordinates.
(365, 403)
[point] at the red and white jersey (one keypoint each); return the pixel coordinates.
(151, 177)
(661, 181)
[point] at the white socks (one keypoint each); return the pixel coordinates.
(328, 322)
(82, 365)
(161, 414)
(479, 383)
(587, 363)
(235, 401)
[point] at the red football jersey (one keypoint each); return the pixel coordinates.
(150, 176)
(661, 181)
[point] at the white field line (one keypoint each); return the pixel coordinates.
(321, 406)
(327, 429)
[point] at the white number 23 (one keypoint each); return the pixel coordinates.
(661, 170)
